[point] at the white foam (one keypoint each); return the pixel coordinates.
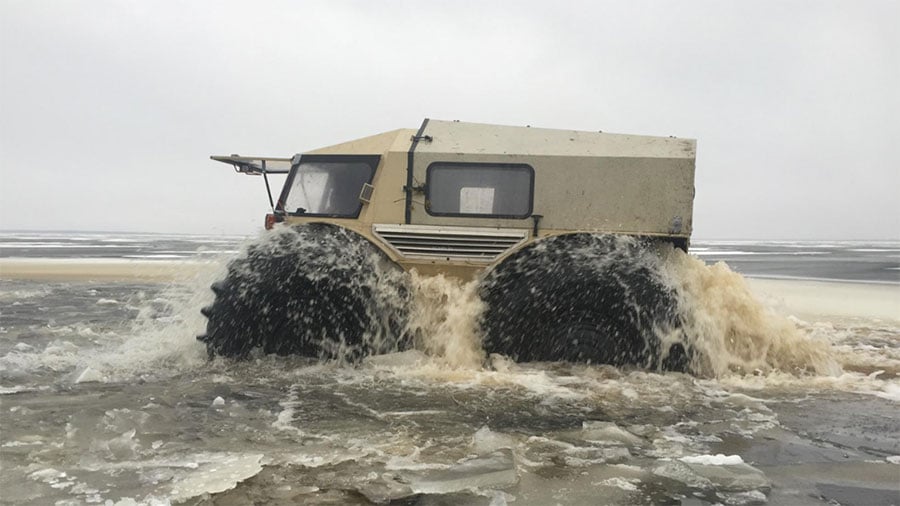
(285, 418)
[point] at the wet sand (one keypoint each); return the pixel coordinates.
(806, 299)
(799, 297)
(101, 269)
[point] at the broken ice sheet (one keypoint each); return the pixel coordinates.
(495, 470)
(728, 478)
(216, 473)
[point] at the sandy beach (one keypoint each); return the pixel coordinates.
(807, 299)
(799, 297)
(101, 269)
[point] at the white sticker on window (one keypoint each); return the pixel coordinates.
(476, 200)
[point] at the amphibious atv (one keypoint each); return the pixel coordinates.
(562, 229)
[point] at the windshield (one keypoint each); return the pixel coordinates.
(327, 188)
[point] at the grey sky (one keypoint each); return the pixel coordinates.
(109, 109)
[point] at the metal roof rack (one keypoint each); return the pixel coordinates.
(256, 165)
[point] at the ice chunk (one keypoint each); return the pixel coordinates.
(895, 459)
(107, 302)
(88, 375)
(608, 432)
(725, 476)
(622, 483)
(124, 446)
(742, 498)
(217, 473)
(589, 456)
(47, 475)
(496, 470)
(681, 472)
(23, 348)
(713, 460)
(411, 462)
(125, 501)
(218, 401)
(739, 478)
(487, 441)
(325, 454)
(387, 489)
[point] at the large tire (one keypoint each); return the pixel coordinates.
(583, 298)
(315, 290)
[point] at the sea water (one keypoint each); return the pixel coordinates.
(106, 397)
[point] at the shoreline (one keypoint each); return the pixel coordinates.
(803, 298)
(813, 298)
(102, 269)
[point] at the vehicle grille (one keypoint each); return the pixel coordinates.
(474, 244)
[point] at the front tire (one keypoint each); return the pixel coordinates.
(315, 290)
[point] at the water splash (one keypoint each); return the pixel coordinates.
(732, 331)
(444, 320)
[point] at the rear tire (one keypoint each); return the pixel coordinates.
(315, 290)
(583, 298)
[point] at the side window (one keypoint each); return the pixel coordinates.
(490, 190)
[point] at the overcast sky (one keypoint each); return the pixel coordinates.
(110, 109)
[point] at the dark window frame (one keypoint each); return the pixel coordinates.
(371, 160)
(493, 165)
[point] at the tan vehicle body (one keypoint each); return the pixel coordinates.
(545, 220)
(583, 182)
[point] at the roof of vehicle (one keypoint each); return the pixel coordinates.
(479, 138)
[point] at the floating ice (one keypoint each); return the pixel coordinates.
(748, 497)
(895, 459)
(219, 472)
(622, 483)
(731, 477)
(411, 462)
(107, 302)
(487, 441)
(118, 448)
(682, 473)
(88, 375)
(387, 489)
(47, 474)
(497, 470)
(713, 460)
(608, 432)
(218, 401)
